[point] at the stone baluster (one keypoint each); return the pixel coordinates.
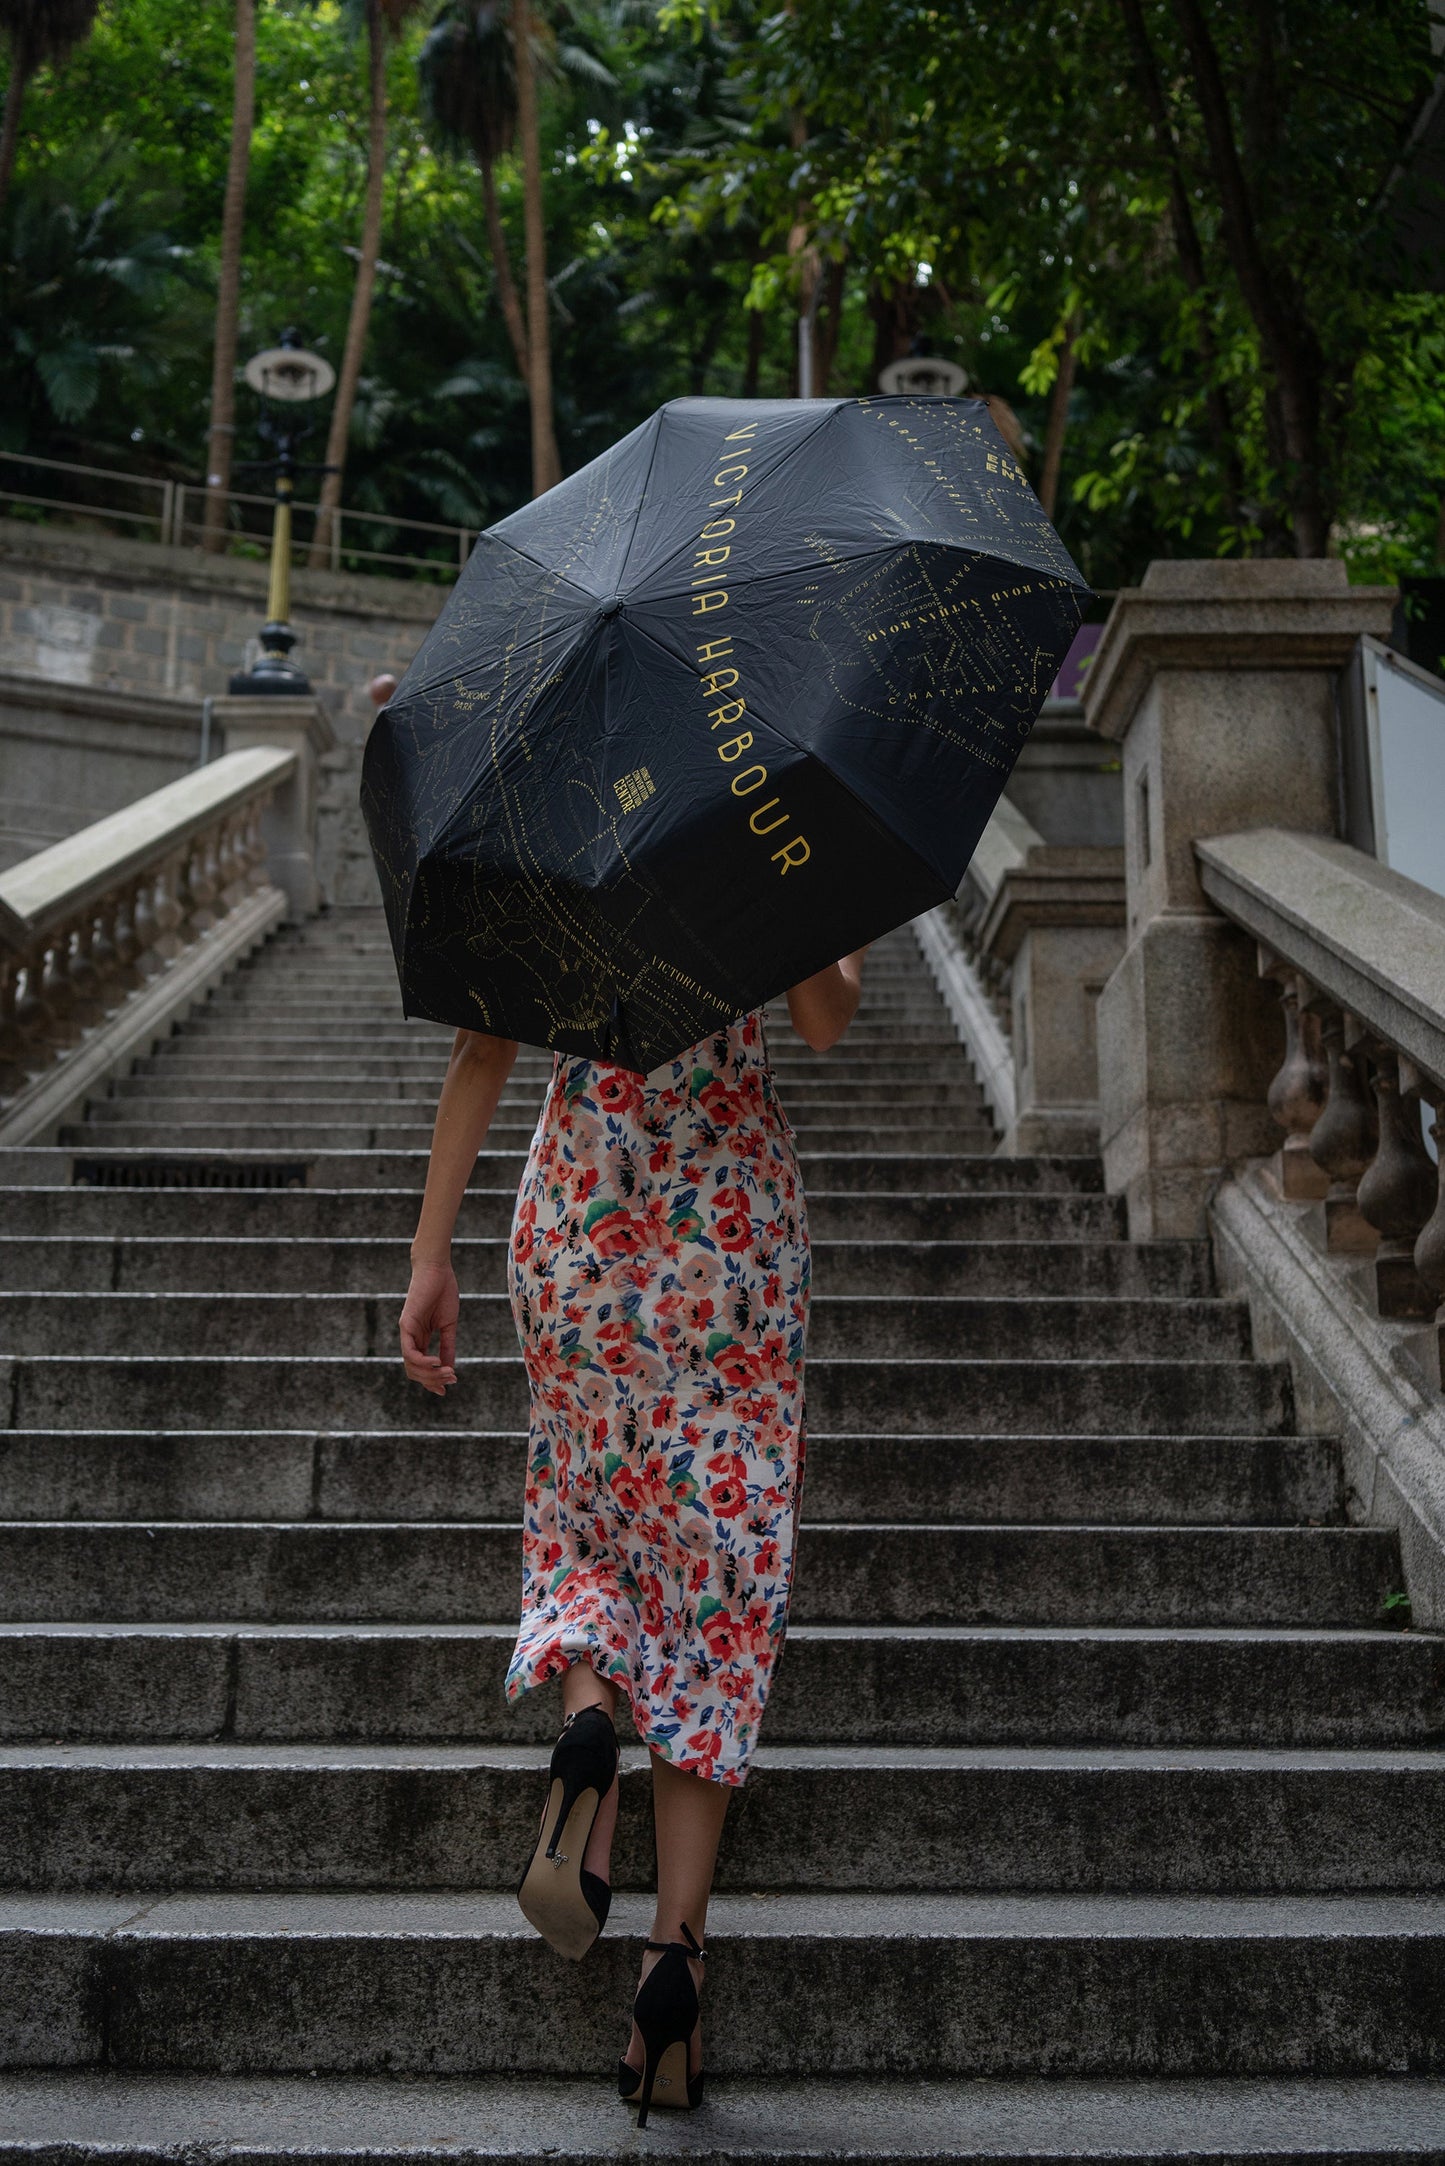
(13, 1066)
(58, 992)
(253, 845)
(126, 940)
(1344, 1138)
(89, 1006)
(1297, 1093)
(168, 912)
(231, 869)
(1397, 1192)
(203, 880)
(145, 926)
(1430, 1247)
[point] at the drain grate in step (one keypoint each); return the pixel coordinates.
(159, 1172)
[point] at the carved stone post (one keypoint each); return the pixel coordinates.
(1057, 922)
(1397, 1193)
(1344, 1140)
(1297, 1094)
(289, 828)
(1430, 1255)
(1218, 679)
(12, 1061)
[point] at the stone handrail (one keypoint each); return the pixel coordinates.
(1358, 952)
(1003, 848)
(88, 925)
(973, 984)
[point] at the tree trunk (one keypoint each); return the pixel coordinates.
(1058, 421)
(1287, 338)
(20, 71)
(809, 273)
(829, 325)
(221, 439)
(546, 465)
(753, 359)
(1191, 257)
(507, 294)
(894, 310)
(349, 374)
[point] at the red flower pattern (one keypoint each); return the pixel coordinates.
(662, 1491)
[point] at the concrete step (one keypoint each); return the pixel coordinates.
(927, 1984)
(317, 1213)
(219, 1026)
(424, 1065)
(841, 1686)
(274, 1133)
(829, 1818)
(851, 1172)
(1098, 1396)
(319, 1088)
(883, 1326)
(423, 1474)
(429, 1572)
(81, 2118)
(123, 1263)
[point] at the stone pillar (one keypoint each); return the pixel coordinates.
(1058, 921)
(301, 726)
(1217, 679)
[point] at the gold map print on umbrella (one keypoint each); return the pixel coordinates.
(736, 697)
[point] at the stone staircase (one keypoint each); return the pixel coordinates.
(1100, 1808)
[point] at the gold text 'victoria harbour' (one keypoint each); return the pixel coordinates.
(719, 679)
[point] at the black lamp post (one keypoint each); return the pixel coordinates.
(286, 376)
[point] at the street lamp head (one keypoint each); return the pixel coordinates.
(288, 373)
(923, 376)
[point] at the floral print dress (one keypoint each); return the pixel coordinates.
(659, 1281)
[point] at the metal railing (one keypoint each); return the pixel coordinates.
(173, 513)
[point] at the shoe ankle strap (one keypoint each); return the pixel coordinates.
(688, 1944)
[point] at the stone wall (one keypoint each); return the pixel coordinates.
(111, 646)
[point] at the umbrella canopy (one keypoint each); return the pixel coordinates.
(736, 698)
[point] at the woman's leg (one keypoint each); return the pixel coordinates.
(582, 1687)
(688, 1812)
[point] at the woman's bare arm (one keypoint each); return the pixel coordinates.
(823, 1006)
(475, 1079)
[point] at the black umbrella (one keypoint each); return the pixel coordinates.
(731, 701)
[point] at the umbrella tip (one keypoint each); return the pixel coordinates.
(612, 604)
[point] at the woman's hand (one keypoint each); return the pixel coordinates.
(475, 1079)
(430, 1312)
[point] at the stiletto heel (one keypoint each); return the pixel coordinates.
(666, 2012)
(567, 1904)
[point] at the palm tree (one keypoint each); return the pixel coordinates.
(37, 32)
(221, 437)
(381, 16)
(546, 466)
(479, 69)
(469, 89)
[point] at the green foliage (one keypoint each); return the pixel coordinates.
(984, 177)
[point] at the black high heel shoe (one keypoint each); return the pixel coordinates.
(567, 1904)
(666, 2012)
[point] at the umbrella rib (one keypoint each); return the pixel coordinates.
(768, 480)
(523, 646)
(642, 499)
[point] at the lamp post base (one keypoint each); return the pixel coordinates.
(274, 671)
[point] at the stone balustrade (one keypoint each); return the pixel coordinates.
(1021, 954)
(1358, 954)
(100, 933)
